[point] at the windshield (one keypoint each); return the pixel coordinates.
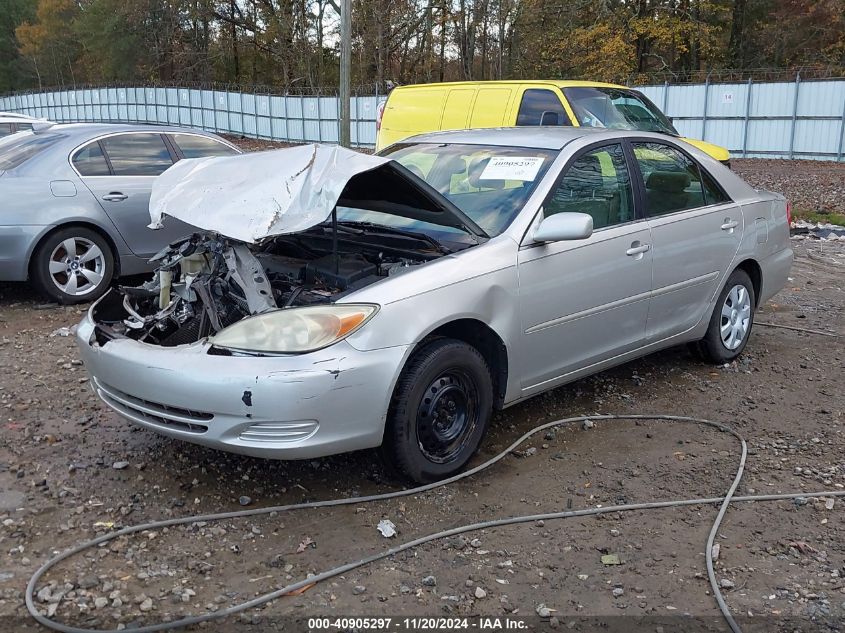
(488, 183)
(18, 148)
(617, 109)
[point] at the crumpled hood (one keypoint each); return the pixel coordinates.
(252, 196)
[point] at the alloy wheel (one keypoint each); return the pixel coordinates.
(77, 266)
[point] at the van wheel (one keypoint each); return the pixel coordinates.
(72, 265)
(440, 410)
(731, 321)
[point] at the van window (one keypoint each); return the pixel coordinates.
(617, 109)
(541, 106)
(490, 107)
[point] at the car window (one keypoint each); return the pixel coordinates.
(618, 109)
(5, 129)
(598, 184)
(137, 154)
(193, 146)
(489, 183)
(713, 193)
(16, 150)
(541, 107)
(672, 180)
(89, 161)
(23, 127)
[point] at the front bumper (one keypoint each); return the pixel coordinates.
(283, 407)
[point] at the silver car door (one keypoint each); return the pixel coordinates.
(134, 159)
(695, 230)
(585, 301)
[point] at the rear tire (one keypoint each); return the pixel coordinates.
(440, 410)
(731, 321)
(73, 265)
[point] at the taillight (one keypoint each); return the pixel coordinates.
(379, 114)
(788, 213)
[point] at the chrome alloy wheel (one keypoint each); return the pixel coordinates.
(77, 266)
(736, 317)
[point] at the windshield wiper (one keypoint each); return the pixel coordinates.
(350, 226)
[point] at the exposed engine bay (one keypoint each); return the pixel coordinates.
(207, 282)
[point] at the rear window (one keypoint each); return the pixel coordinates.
(16, 151)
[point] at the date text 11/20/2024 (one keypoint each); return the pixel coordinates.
(416, 624)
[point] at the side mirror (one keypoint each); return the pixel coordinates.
(564, 226)
(549, 118)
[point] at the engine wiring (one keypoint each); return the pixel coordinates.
(724, 501)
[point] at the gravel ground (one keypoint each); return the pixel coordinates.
(811, 186)
(71, 470)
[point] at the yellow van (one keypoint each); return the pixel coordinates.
(411, 110)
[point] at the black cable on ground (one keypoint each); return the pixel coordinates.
(341, 569)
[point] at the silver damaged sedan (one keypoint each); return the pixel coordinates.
(334, 301)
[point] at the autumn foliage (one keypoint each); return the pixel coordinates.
(294, 43)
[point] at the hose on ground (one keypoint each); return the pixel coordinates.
(724, 500)
(798, 329)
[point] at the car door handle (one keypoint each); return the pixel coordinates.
(638, 249)
(115, 196)
(729, 225)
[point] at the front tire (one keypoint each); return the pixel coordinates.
(731, 321)
(73, 265)
(440, 411)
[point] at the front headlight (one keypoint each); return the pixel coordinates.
(295, 330)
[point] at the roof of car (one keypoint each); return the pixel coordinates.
(528, 136)
(14, 116)
(561, 83)
(81, 131)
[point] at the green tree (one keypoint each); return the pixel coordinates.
(12, 67)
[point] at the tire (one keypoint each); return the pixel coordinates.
(73, 277)
(439, 412)
(729, 331)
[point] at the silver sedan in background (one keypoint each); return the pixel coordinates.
(74, 202)
(336, 301)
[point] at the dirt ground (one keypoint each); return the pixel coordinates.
(70, 470)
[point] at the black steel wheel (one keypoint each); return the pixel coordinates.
(440, 411)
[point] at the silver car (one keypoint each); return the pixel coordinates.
(11, 123)
(75, 202)
(398, 300)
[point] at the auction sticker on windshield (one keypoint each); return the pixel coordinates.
(512, 168)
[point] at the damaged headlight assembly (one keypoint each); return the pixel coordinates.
(294, 330)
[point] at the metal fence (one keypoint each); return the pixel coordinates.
(795, 119)
(788, 119)
(293, 118)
